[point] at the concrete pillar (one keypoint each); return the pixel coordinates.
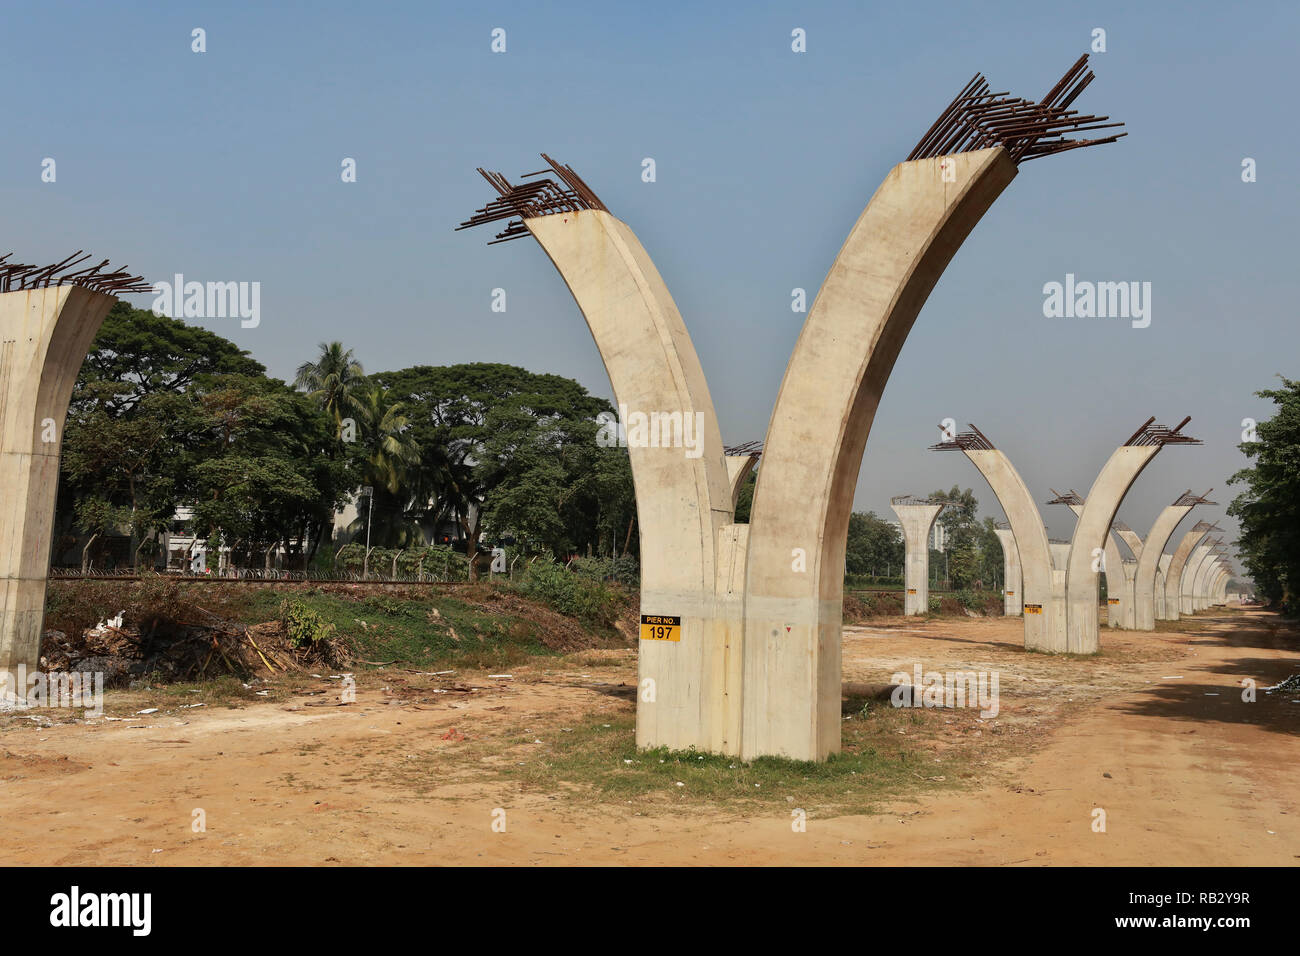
(1012, 598)
(44, 336)
(1101, 504)
(1186, 594)
(1162, 569)
(877, 285)
(916, 518)
(1060, 553)
(692, 553)
(1128, 601)
(1212, 586)
(1201, 585)
(1177, 564)
(1148, 564)
(1118, 601)
(1031, 544)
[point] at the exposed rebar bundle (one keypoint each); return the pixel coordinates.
(752, 449)
(1071, 497)
(17, 276)
(540, 197)
(979, 119)
(1152, 434)
(1187, 499)
(915, 500)
(973, 439)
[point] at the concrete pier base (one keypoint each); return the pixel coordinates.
(44, 336)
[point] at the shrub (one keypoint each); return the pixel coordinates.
(624, 570)
(573, 594)
(303, 626)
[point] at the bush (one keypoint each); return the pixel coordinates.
(624, 570)
(576, 595)
(304, 627)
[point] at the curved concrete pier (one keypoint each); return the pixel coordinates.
(1012, 598)
(1162, 529)
(1177, 564)
(692, 555)
(882, 276)
(44, 336)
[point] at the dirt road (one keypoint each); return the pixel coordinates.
(1154, 732)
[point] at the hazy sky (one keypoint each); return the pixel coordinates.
(225, 165)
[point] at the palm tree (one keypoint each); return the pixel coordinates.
(387, 457)
(387, 448)
(334, 380)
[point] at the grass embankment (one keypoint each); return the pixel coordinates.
(473, 626)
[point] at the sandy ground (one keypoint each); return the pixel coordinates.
(1154, 732)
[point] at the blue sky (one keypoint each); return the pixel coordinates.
(225, 166)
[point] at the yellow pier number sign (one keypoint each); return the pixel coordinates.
(1033, 609)
(661, 627)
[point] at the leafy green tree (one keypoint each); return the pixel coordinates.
(875, 545)
(501, 444)
(1268, 508)
(991, 567)
(137, 354)
(961, 557)
(261, 479)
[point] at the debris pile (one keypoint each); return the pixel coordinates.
(170, 649)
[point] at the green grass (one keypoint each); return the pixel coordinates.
(435, 631)
(597, 760)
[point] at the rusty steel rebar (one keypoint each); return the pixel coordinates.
(979, 119)
(1152, 434)
(973, 439)
(751, 449)
(533, 199)
(17, 276)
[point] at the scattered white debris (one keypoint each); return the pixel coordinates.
(147, 710)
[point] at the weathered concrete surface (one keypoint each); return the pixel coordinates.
(883, 274)
(1012, 598)
(1161, 571)
(44, 335)
(916, 521)
(1144, 584)
(1117, 599)
(1187, 583)
(1031, 545)
(1099, 510)
(1128, 600)
(1201, 586)
(692, 556)
(1177, 564)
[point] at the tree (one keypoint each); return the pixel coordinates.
(502, 445)
(137, 354)
(962, 558)
(164, 415)
(1269, 507)
(875, 546)
(335, 381)
(261, 480)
